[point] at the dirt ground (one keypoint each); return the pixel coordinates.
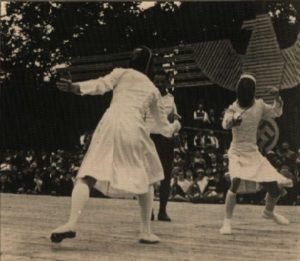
(108, 230)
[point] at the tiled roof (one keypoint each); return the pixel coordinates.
(219, 62)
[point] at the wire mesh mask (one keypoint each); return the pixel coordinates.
(141, 59)
(246, 91)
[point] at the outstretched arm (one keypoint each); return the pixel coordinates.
(92, 87)
(66, 85)
(274, 110)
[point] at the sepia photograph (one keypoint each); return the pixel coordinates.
(150, 130)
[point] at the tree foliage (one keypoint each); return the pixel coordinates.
(38, 35)
(286, 20)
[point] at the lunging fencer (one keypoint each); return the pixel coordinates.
(245, 160)
(121, 155)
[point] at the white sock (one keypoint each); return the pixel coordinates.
(145, 202)
(230, 203)
(80, 196)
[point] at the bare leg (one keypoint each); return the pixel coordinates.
(80, 196)
(145, 202)
(230, 203)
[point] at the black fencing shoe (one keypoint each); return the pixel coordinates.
(58, 237)
(163, 217)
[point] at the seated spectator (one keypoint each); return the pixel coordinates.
(200, 117)
(38, 182)
(82, 138)
(55, 185)
(30, 157)
(28, 179)
(177, 161)
(85, 140)
(291, 196)
(212, 118)
(202, 180)
(197, 140)
(285, 171)
(6, 166)
(66, 185)
(213, 163)
(274, 159)
(183, 182)
(18, 160)
(210, 191)
(224, 164)
(209, 140)
(43, 160)
(20, 184)
(189, 174)
(5, 185)
(176, 190)
(181, 143)
(198, 161)
(73, 168)
(223, 184)
(286, 155)
(193, 193)
(297, 161)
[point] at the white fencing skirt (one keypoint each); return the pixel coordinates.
(122, 157)
(252, 166)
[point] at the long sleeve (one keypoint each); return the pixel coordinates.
(161, 124)
(272, 111)
(175, 109)
(228, 118)
(101, 85)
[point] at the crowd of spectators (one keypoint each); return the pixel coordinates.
(200, 174)
(32, 172)
(200, 167)
(206, 118)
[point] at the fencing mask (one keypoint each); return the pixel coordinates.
(141, 59)
(246, 90)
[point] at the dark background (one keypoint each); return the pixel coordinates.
(34, 114)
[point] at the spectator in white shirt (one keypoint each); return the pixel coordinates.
(201, 117)
(209, 140)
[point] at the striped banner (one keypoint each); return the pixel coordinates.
(219, 62)
(263, 57)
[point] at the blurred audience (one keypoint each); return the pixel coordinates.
(199, 175)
